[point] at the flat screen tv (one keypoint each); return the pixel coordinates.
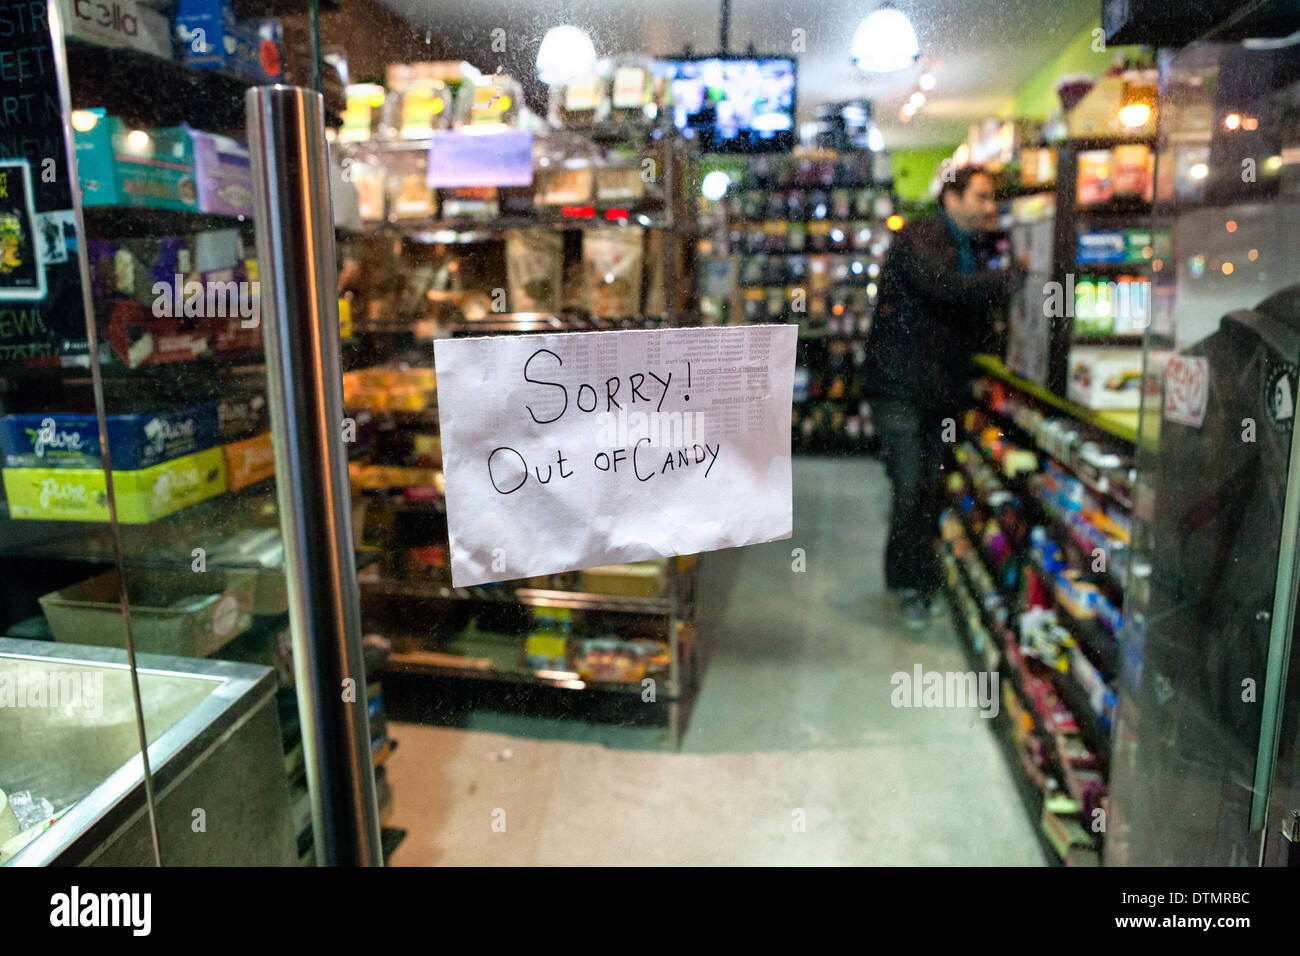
(734, 104)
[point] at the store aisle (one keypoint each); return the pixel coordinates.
(794, 753)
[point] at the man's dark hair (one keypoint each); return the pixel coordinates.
(960, 182)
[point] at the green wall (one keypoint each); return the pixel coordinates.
(1036, 98)
(913, 170)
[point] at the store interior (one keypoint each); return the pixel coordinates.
(1118, 509)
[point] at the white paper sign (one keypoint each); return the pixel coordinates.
(1187, 389)
(570, 451)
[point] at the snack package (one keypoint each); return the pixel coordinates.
(535, 269)
(1096, 177)
(612, 260)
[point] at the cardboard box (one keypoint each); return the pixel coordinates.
(75, 494)
(135, 441)
(1105, 378)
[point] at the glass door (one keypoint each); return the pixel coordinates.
(1199, 776)
(142, 531)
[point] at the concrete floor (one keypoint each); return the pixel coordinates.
(793, 753)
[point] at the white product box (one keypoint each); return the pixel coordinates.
(1105, 378)
(120, 24)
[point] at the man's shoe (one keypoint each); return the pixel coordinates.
(916, 613)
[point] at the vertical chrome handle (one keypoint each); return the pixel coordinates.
(299, 306)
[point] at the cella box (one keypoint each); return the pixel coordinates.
(118, 24)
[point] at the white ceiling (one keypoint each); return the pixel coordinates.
(982, 49)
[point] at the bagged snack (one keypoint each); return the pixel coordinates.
(534, 269)
(612, 260)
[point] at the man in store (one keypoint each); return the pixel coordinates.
(938, 298)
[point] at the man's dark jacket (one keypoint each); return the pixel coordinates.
(930, 318)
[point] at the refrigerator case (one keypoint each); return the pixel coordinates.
(1194, 780)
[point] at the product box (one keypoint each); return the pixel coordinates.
(135, 441)
(210, 38)
(1134, 171)
(619, 184)
(643, 579)
(123, 167)
(249, 461)
(1102, 245)
(1105, 378)
(1096, 178)
(119, 24)
(242, 416)
(546, 651)
(77, 494)
(361, 116)
(224, 174)
(564, 187)
(139, 339)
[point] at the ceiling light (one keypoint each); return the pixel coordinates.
(566, 52)
(715, 185)
(1135, 114)
(917, 99)
(909, 110)
(926, 82)
(885, 41)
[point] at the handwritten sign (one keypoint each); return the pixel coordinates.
(1187, 389)
(570, 451)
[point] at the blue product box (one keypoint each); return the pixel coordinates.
(210, 38)
(1102, 245)
(136, 441)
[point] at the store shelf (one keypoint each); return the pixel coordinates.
(151, 91)
(1099, 647)
(1016, 757)
(1092, 731)
(452, 231)
(436, 664)
(124, 222)
(373, 583)
(1120, 424)
(1010, 424)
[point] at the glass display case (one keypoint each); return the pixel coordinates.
(145, 592)
(1204, 746)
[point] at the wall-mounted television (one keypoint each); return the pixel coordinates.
(734, 104)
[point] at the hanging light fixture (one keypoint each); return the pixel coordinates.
(566, 52)
(885, 41)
